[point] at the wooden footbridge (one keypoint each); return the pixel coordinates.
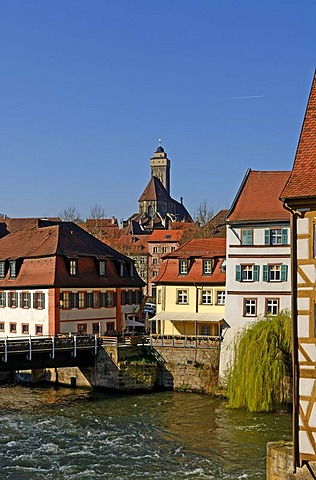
(32, 353)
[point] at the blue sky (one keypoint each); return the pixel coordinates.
(88, 86)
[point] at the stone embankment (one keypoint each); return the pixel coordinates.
(280, 463)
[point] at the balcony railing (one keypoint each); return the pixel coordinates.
(185, 341)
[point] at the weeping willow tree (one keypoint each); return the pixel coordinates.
(260, 377)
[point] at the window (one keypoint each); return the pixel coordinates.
(247, 237)
(220, 297)
(96, 300)
(272, 306)
(206, 330)
(131, 269)
(207, 267)
(102, 269)
(164, 249)
(2, 269)
(110, 326)
(183, 267)
(2, 299)
(38, 329)
(155, 249)
(142, 273)
(110, 301)
(274, 273)
(155, 273)
(82, 328)
(155, 261)
(206, 297)
(247, 273)
(25, 300)
(39, 300)
(13, 299)
(159, 296)
(73, 268)
(96, 328)
(250, 307)
(276, 236)
(12, 269)
(12, 327)
(121, 269)
(66, 300)
(1, 326)
(182, 297)
(81, 299)
(173, 249)
(142, 260)
(25, 328)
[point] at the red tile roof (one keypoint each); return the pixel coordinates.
(196, 250)
(258, 197)
(201, 247)
(302, 182)
(154, 191)
(169, 273)
(166, 236)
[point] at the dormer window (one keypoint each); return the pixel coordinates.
(207, 267)
(13, 271)
(183, 267)
(102, 268)
(73, 268)
(2, 269)
(121, 269)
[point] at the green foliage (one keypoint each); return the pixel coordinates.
(260, 376)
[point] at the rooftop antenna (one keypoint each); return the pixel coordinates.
(159, 141)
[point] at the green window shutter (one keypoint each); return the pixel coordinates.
(103, 299)
(284, 236)
(267, 237)
(4, 299)
(43, 300)
(238, 273)
(114, 299)
(283, 273)
(256, 273)
(34, 300)
(89, 300)
(21, 300)
(265, 273)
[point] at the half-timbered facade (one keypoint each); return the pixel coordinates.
(299, 196)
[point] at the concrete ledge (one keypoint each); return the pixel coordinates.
(280, 463)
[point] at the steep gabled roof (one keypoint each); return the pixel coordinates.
(154, 191)
(302, 181)
(258, 197)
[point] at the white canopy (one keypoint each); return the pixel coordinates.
(188, 317)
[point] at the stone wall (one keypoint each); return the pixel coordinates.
(190, 369)
(280, 463)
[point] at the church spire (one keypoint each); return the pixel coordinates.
(160, 166)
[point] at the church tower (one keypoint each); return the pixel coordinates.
(160, 167)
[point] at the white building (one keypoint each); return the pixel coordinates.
(258, 255)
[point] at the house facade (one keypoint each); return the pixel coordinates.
(299, 197)
(57, 278)
(190, 290)
(258, 276)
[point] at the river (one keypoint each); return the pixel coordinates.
(57, 434)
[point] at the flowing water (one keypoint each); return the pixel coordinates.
(57, 434)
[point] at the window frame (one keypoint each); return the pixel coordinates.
(27, 326)
(207, 266)
(102, 268)
(13, 268)
(73, 267)
(220, 294)
(247, 236)
(37, 326)
(182, 296)
(207, 294)
(248, 304)
(277, 305)
(12, 327)
(2, 269)
(183, 266)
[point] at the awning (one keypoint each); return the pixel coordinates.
(133, 323)
(189, 317)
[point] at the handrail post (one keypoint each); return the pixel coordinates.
(5, 350)
(30, 348)
(53, 348)
(75, 345)
(95, 345)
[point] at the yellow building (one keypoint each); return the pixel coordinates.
(190, 291)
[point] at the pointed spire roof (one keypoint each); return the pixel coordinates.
(302, 181)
